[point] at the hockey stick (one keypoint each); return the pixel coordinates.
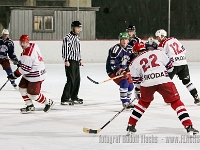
(87, 130)
(95, 82)
(4, 85)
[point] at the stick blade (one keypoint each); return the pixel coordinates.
(92, 80)
(87, 130)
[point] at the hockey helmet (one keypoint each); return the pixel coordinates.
(131, 28)
(5, 31)
(24, 38)
(123, 35)
(160, 33)
(139, 46)
(76, 24)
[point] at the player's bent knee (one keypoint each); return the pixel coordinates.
(130, 87)
(124, 83)
(144, 103)
(23, 91)
(185, 81)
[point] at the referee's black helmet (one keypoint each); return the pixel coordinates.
(76, 24)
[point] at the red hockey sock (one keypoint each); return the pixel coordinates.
(138, 111)
(182, 113)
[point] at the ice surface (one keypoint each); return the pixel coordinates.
(61, 128)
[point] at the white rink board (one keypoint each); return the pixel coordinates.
(97, 51)
(61, 128)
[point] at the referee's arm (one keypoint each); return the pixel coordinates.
(65, 50)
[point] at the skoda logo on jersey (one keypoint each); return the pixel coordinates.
(180, 58)
(154, 75)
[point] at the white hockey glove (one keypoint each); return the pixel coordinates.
(137, 93)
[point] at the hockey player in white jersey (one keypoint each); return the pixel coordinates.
(149, 71)
(33, 74)
(175, 50)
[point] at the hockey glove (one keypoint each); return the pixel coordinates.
(121, 71)
(137, 93)
(13, 76)
(127, 69)
(19, 64)
(15, 61)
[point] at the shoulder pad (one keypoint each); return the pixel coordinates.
(114, 51)
(115, 48)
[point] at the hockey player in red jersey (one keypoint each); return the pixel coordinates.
(33, 74)
(175, 50)
(149, 71)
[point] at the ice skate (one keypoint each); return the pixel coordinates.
(191, 131)
(197, 100)
(67, 102)
(78, 101)
(128, 106)
(14, 85)
(130, 129)
(27, 109)
(49, 105)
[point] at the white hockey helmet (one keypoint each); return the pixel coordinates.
(5, 31)
(160, 33)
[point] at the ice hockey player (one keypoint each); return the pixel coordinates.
(7, 49)
(131, 30)
(151, 44)
(118, 60)
(175, 50)
(33, 74)
(149, 71)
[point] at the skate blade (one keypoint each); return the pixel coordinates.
(28, 112)
(130, 133)
(198, 104)
(75, 102)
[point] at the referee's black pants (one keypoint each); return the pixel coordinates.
(72, 85)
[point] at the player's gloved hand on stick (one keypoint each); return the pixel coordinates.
(137, 93)
(19, 64)
(13, 76)
(15, 61)
(121, 71)
(127, 70)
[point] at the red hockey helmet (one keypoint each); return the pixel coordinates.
(24, 38)
(139, 46)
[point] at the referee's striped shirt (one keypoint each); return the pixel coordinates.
(71, 47)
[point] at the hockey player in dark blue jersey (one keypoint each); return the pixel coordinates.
(118, 60)
(7, 49)
(131, 30)
(151, 44)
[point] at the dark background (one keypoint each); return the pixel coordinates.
(148, 16)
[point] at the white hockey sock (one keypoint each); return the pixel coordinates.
(25, 96)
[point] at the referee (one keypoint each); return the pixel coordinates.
(72, 57)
